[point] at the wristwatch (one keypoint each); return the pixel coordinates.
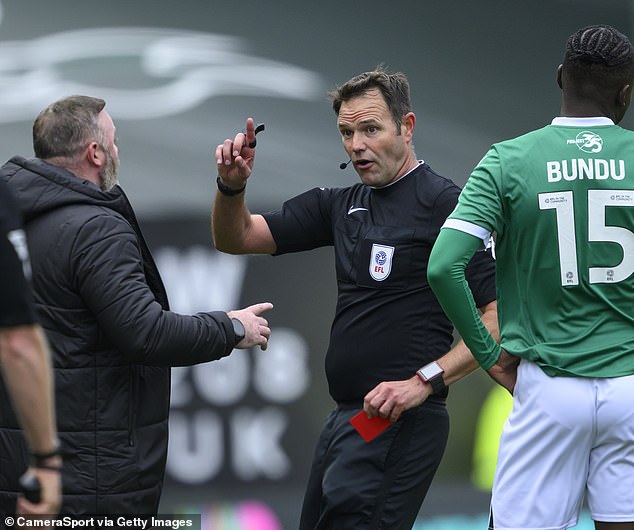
(238, 329)
(432, 373)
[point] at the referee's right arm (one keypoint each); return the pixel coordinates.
(234, 228)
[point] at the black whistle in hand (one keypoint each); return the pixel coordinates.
(258, 129)
(30, 488)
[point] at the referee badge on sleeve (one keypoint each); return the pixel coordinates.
(381, 261)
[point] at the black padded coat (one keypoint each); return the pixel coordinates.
(102, 303)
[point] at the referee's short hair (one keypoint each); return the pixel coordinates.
(393, 86)
(599, 57)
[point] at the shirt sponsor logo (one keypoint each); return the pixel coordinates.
(381, 261)
(352, 209)
(588, 142)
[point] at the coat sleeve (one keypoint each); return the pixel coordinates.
(109, 275)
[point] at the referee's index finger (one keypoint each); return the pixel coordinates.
(250, 133)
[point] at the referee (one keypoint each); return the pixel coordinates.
(388, 324)
(25, 363)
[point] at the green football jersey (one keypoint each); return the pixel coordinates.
(560, 201)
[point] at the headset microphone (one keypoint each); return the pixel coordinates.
(344, 165)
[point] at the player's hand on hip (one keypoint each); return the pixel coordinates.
(504, 371)
(256, 328)
(391, 398)
(235, 158)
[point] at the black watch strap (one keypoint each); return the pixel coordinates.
(437, 383)
(39, 460)
(226, 190)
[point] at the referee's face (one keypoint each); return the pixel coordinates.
(371, 138)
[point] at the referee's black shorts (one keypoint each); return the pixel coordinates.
(376, 485)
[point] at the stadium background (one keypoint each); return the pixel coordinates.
(179, 78)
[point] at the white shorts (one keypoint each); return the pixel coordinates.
(565, 438)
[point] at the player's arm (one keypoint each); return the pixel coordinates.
(234, 228)
(481, 201)
(25, 361)
(446, 275)
(26, 366)
(390, 399)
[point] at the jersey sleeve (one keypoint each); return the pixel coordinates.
(303, 222)
(446, 276)
(480, 271)
(16, 305)
(480, 275)
(480, 203)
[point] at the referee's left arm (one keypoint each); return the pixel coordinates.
(390, 399)
(459, 361)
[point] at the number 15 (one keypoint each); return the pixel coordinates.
(563, 204)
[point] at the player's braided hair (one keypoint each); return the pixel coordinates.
(600, 55)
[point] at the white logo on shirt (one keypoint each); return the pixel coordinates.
(353, 209)
(381, 261)
(588, 142)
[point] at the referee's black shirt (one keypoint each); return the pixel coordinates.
(387, 322)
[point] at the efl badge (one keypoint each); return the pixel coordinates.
(381, 262)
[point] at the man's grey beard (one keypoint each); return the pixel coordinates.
(109, 175)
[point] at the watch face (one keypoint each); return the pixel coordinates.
(431, 370)
(238, 329)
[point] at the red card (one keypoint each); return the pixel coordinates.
(369, 428)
